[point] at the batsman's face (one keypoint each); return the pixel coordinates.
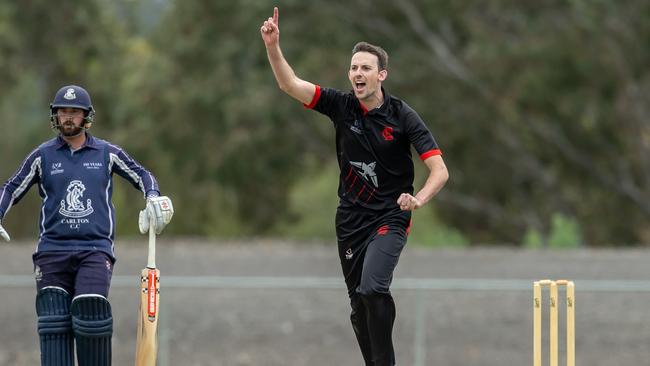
(365, 76)
(71, 121)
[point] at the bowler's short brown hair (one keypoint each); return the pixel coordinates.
(382, 56)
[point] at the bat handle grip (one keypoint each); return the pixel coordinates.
(151, 260)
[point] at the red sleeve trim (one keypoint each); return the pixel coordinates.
(430, 153)
(315, 99)
(364, 109)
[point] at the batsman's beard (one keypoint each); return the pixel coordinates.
(69, 129)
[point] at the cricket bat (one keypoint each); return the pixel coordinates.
(147, 339)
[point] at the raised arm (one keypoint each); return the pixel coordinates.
(301, 90)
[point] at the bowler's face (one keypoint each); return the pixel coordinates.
(365, 76)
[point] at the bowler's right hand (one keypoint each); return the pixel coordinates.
(270, 30)
(4, 234)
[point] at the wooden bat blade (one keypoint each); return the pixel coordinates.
(147, 338)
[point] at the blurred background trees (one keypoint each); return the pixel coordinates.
(542, 110)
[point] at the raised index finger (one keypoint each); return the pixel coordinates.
(276, 15)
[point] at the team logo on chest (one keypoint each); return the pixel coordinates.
(56, 169)
(356, 127)
(72, 206)
(367, 171)
(387, 134)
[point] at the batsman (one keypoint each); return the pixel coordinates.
(74, 258)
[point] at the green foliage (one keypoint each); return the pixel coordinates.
(532, 107)
(313, 205)
(539, 109)
(43, 47)
(428, 231)
(565, 232)
(533, 239)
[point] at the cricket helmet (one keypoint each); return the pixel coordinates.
(72, 96)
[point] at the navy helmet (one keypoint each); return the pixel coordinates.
(73, 96)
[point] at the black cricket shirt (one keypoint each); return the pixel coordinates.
(374, 147)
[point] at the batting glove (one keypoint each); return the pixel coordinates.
(160, 209)
(4, 234)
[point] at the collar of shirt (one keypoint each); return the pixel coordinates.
(90, 142)
(381, 109)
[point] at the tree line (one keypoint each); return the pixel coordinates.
(541, 109)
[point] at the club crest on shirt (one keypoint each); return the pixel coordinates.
(367, 171)
(72, 206)
(56, 169)
(387, 134)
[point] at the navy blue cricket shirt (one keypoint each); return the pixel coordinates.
(77, 212)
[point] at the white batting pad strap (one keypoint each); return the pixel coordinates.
(89, 295)
(54, 287)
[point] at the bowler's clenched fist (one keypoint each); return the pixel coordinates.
(408, 202)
